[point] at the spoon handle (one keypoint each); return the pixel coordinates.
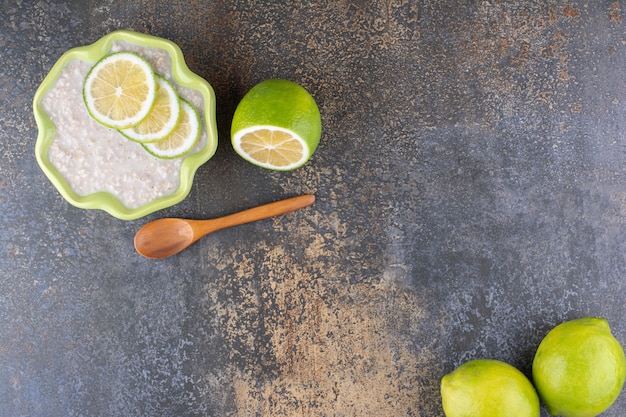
(202, 228)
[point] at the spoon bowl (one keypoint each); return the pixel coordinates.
(166, 237)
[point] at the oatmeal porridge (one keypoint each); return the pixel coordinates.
(93, 158)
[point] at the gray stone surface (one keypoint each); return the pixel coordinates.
(471, 195)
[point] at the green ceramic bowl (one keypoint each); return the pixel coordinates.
(180, 74)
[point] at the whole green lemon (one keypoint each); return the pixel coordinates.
(579, 368)
(488, 388)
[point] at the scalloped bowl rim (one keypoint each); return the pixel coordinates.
(180, 73)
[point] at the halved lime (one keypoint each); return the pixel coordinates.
(277, 125)
(120, 89)
(163, 117)
(184, 137)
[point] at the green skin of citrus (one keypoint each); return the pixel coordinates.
(579, 368)
(280, 103)
(488, 388)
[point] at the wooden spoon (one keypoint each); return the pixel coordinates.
(165, 237)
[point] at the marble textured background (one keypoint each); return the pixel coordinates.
(471, 189)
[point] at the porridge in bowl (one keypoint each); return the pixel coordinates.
(94, 160)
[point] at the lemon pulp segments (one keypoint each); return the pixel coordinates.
(272, 147)
(163, 117)
(184, 137)
(119, 90)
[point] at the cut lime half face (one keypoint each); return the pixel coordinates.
(272, 147)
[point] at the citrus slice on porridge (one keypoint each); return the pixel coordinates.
(184, 137)
(277, 125)
(120, 90)
(163, 117)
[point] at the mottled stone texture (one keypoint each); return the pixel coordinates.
(471, 188)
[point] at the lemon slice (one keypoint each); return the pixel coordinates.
(184, 137)
(120, 90)
(276, 125)
(163, 117)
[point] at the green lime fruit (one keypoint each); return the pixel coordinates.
(579, 368)
(488, 388)
(276, 125)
